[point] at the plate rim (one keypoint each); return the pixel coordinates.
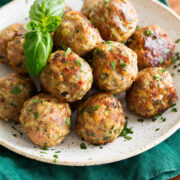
(96, 162)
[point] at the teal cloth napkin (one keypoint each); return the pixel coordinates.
(159, 163)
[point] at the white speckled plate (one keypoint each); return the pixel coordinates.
(145, 135)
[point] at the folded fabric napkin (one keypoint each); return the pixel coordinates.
(159, 163)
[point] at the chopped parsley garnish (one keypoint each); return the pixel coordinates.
(54, 161)
(155, 77)
(35, 101)
(42, 152)
(161, 61)
(16, 90)
(55, 156)
(78, 63)
(173, 105)
(35, 115)
(156, 117)
(57, 151)
(163, 70)
(157, 129)
(68, 51)
(174, 110)
(123, 64)
(67, 62)
(177, 41)
(106, 1)
(167, 51)
(84, 108)
(68, 121)
(77, 30)
(113, 66)
(107, 138)
(83, 146)
(126, 131)
(140, 120)
(44, 149)
(108, 42)
(15, 135)
(95, 107)
(149, 32)
(163, 119)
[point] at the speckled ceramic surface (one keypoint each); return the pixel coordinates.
(145, 134)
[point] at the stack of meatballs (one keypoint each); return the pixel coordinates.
(100, 31)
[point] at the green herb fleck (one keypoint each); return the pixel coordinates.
(95, 107)
(55, 156)
(84, 108)
(106, 1)
(156, 117)
(177, 41)
(68, 121)
(149, 32)
(16, 90)
(42, 152)
(174, 110)
(157, 129)
(140, 120)
(57, 151)
(44, 149)
(83, 146)
(35, 115)
(78, 63)
(113, 66)
(167, 51)
(161, 61)
(68, 51)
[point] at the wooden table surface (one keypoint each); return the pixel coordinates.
(175, 4)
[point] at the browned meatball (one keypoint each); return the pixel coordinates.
(153, 47)
(116, 20)
(152, 93)
(100, 119)
(46, 120)
(7, 35)
(115, 67)
(14, 91)
(67, 77)
(77, 33)
(16, 54)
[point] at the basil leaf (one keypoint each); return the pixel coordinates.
(37, 48)
(51, 23)
(34, 26)
(45, 8)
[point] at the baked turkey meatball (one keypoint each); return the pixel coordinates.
(7, 35)
(116, 20)
(77, 33)
(14, 91)
(152, 93)
(153, 47)
(100, 119)
(45, 120)
(67, 76)
(16, 54)
(115, 66)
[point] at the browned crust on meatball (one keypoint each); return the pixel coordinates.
(115, 20)
(14, 91)
(77, 33)
(152, 93)
(153, 46)
(16, 54)
(7, 35)
(114, 67)
(100, 119)
(45, 120)
(67, 77)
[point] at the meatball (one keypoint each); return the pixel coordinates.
(6, 36)
(67, 9)
(77, 33)
(115, 67)
(67, 76)
(45, 120)
(16, 54)
(152, 93)
(153, 47)
(115, 19)
(100, 119)
(14, 91)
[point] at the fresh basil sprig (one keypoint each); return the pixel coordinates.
(38, 46)
(45, 8)
(45, 18)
